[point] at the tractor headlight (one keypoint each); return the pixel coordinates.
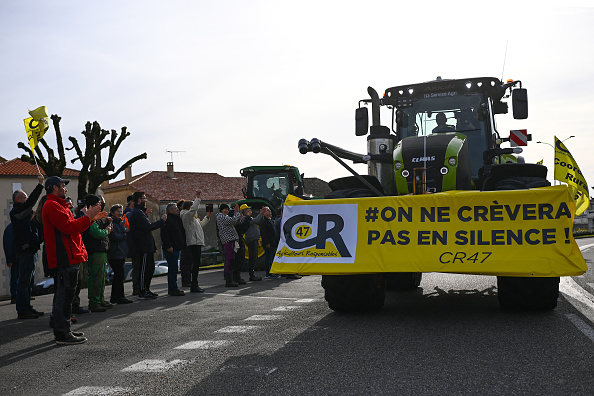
(452, 161)
(443, 170)
(405, 173)
(398, 165)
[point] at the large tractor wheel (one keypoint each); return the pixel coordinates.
(401, 281)
(522, 293)
(517, 293)
(354, 293)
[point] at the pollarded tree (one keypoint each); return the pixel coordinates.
(92, 172)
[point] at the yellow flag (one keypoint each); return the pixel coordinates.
(36, 125)
(34, 130)
(567, 171)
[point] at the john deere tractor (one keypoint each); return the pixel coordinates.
(442, 136)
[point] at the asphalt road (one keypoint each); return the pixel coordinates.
(279, 337)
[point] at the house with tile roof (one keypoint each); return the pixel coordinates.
(164, 187)
(20, 175)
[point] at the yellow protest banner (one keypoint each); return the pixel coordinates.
(567, 171)
(509, 233)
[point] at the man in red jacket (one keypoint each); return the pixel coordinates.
(65, 251)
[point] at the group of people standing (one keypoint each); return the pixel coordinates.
(76, 248)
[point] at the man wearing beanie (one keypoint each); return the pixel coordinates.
(96, 240)
(228, 236)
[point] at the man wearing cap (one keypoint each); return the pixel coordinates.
(26, 245)
(252, 237)
(65, 251)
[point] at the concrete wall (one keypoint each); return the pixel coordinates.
(27, 184)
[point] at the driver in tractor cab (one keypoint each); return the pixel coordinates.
(442, 125)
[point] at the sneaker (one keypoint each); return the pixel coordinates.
(177, 293)
(294, 276)
(196, 289)
(255, 278)
(70, 339)
(97, 308)
(28, 315)
(106, 304)
(77, 333)
(153, 294)
(271, 276)
(146, 296)
(36, 312)
(80, 311)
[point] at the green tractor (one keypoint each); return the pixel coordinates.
(442, 136)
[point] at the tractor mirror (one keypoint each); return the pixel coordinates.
(520, 103)
(361, 121)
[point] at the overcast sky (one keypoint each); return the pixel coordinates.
(238, 83)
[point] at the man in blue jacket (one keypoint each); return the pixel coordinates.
(143, 244)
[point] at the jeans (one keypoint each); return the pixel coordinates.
(229, 257)
(268, 259)
(117, 284)
(26, 263)
(171, 269)
(66, 278)
(14, 279)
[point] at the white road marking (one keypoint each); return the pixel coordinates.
(591, 285)
(154, 366)
(582, 326)
(237, 329)
(585, 247)
(99, 391)
(264, 317)
(257, 369)
(305, 300)
(206, 344)
(577, 296)
(286, 308)
(244, 296)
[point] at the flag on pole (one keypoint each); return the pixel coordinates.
(567, 171)
(36, 125)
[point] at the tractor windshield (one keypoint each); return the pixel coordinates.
(445, 113)
(273, 187)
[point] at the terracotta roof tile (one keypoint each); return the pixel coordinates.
(159, 187)
(16, 167)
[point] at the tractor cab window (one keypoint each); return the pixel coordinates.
(272, 187)
(448, 113)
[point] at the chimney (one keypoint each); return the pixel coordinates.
(170, 173)
(128, 174)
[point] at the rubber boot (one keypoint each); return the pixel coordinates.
(229, 281)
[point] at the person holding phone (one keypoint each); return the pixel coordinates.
(193, 228)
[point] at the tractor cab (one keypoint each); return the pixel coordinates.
(465, 107)
(270, 185)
